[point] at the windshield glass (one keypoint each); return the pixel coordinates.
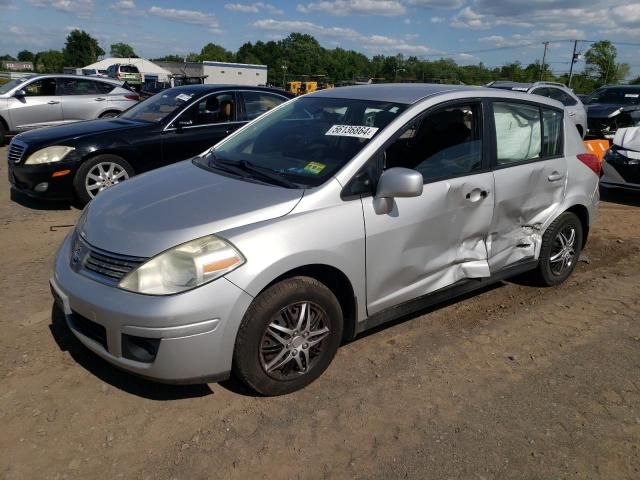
(159, 106)
(12, 84)
(619, 96)
(309, 139)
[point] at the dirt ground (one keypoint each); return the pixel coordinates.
(513, 382)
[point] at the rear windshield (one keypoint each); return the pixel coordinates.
(129, 69)
(309, 139)
(619, 96)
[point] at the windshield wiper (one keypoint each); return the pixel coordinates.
(264, 173)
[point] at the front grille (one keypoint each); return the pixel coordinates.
(16, 151)
(110, 266)
(89, 329)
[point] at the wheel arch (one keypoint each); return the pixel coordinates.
(4, 124)
(336, 281)
(582, 213)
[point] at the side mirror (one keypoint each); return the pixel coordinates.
(20, 93)
(396, 182)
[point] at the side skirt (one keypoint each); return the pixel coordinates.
(442, 295)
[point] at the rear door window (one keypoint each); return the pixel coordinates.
(257, 103)
(551, 132)
(129, 69)
(76, 86)
(104, 87)
(518, 132)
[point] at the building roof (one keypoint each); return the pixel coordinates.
(144, 65)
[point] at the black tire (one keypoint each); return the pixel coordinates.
(3, 134)
(109, 114)
(256, 348)
(80, 180)
(552, 270)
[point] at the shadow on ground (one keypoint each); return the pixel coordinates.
(622, 197)
(120, 379)
(41, 204)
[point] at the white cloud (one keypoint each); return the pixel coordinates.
(124, 5)
(437, 19)
(436, 3)
(79, 7)
(467, 18)
(192, 17)
(355, 7)
(255, 7)
(371, 43)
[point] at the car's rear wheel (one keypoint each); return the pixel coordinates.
(110, 114)
(561, 247)
(288, 337)
(3, 133)
(99, 173)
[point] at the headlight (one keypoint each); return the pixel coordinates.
(48, 155)
(184, 267)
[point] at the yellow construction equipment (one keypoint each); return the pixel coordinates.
(308, 84)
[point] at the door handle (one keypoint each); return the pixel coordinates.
(555, 176)
(53, 102)
(99, 99)
(476, 194)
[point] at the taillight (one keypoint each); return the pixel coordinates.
(132, 97)
(591, 161)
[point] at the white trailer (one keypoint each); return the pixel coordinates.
(234, 73)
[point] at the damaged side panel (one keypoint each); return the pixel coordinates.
(527, 197)
(428, 242)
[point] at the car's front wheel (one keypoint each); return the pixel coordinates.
(561, 247)
(99, 173)
(288, 337)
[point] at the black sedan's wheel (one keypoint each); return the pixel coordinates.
(99, 173)
(288, 337)
(561, 247)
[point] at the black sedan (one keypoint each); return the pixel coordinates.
(612, 107)
(82, 159)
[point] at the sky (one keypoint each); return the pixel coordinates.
(470, 31)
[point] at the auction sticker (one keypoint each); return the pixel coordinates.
(314, 167)
(184, 97)
(356, 131)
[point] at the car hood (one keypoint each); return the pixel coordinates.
(77, 130)
(169, 206)
(603, 110)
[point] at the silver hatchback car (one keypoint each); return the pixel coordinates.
(44, 100)
(331, 214)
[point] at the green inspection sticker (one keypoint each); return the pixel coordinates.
(314, 167)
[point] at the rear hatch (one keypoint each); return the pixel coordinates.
(130, 74)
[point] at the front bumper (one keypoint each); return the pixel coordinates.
(194, 331)
(25, 178)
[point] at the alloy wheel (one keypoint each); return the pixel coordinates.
(563, 251)
(104, 175)
(293, 341)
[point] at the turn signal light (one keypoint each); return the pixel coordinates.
(591, 161)
(61, 173)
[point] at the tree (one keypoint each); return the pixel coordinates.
(7, 57)
(635, 81)
(26, 56)
(51, 61)
(81, 49)
(122, 50)
(601, 63)
(214, 52)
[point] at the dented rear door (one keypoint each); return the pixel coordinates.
(530, 180)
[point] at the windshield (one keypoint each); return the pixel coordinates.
(12, 84)
(158, 107)
(309, 139)
(619, 96)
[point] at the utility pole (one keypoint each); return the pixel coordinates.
(573, 60)
(544, 58)
(284, 76)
